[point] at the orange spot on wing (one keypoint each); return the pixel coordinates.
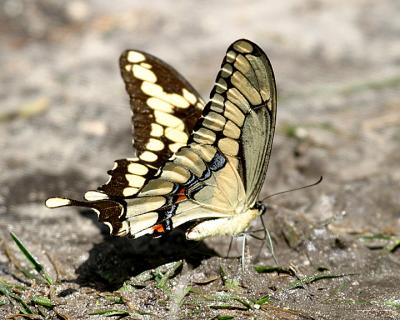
(159, 228)
(181, 195)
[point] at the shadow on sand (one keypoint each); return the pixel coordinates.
(115, 260)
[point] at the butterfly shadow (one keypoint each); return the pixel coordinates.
(115, 260)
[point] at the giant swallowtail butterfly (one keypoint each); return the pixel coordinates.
(197, 163)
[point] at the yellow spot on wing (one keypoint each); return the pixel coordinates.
(206, 152)
(246, 88)
(226, 70)
(57, 202)
(168, 120)
(135, 180)
(242, 64)
(231, 56)
(177, 100)
(221, 85)
(174, 147)
(157, 91)
(190, 160)
(176, 135)
(200, 105)
(137, 168)
(95, 195)
(135, 57)
(189, 96)
(243, 46)
(231, 130)
(228, 146)
(152, 89)
(239, 100)
(148, 156)
(233, 113)
(143, 73)
(156, 130)
(217, 107)
(204, 135)
(175, 173)
(161, 105)
(154, 145)
(218, 99)
(214, 121)
(145, 65)
(129, 191)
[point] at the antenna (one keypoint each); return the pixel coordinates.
(295, 189)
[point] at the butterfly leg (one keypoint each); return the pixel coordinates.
(243, 262)
(229, 248)
(267, 239)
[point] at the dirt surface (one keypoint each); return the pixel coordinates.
(64, 118)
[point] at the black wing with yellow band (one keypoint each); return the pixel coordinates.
(165, 106)
(165, 109)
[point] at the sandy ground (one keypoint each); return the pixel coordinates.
(64, 118)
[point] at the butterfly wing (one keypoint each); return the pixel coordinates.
(165, 106)
(252, 89)
(165, 109)
(220, 173)
(239, 121)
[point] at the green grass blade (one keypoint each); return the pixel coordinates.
(316, 277)
(263, 300)
(172, 269)
(26, 309)
(395, 303)
(32, 260)
(223, 317)
(43, 301)
(270, 269)
(110, 313)
(4, 289)
(392, 247)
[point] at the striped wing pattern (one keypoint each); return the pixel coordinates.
(215, 178)
(165, 109)
(165, 106)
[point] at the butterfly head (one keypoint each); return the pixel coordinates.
(261, 207)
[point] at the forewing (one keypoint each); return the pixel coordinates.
(240, 118)
(165, 106)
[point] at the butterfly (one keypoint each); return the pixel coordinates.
(202, 164)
